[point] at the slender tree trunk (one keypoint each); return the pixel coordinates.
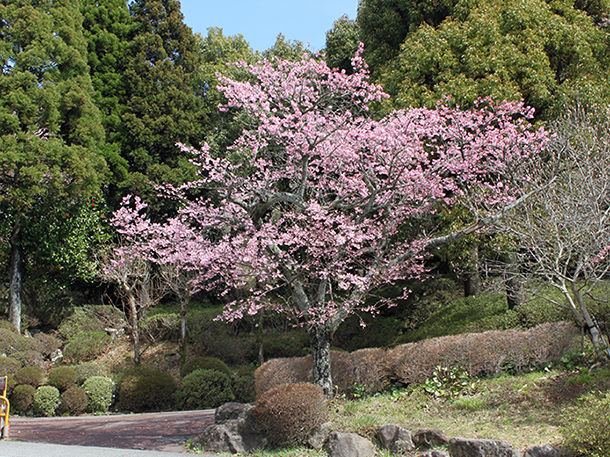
(472, 283)
(183, 306)
(513, 284)
(135, 326)
(16, 275)
(320, 338)
(592, 328)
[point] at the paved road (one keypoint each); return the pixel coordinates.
(20, 449)
(166, 432)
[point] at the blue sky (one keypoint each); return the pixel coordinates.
(260, 21)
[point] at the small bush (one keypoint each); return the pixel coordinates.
(46, 401)
(9, 365)
(29, 358)
(100, 393)
(203, 389)
(49, 344)
(74, 401)
(91, 319)
(204, 363)
(87, 370)
(161, 327)
(288, 414)
(86, 345)
(586, 429)
(243, 388)
(11, 342)
(146, 389)
(62, 377)
(33, 376)
(22, 398)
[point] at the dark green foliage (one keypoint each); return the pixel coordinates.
(86, 346)
(46, 401)
(9, 365)
(87, 370)
(284, 49)
(34, 376)
(342, 43)
(288, 414)
(291, 343)
(74, 401)
(243, 389)
(585, 426)
(203, 389)
(145, 388)
(62, 377)
(204, 363)
(100, 393)
(161, 327)
(22, 398)
(91, 318)
(11, 342)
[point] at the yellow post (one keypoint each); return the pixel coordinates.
(5, 408)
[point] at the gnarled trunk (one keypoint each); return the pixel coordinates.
(320, 336)
(16, 275)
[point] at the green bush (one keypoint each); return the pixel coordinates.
(11, 342)
(288, 414)
(146, 389)
(86, 345)
(586, 427)
(62, 377)
(33, 376)
(46, 401)
(29, 358)
(49, 344)
(9, 365)
(22, 398)
(87, 370)
(90, 319)
(100, 393)
(74, 401)
(243, 388)
(204, 363)
(203, 389)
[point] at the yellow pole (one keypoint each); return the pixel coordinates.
(5, 408)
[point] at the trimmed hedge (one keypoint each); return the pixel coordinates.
(146, 389)
(203, 389)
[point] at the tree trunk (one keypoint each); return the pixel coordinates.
(472, 283)
(183, 306)
(320, 338)
(135, 326)
(513, 284)
(592, 328)
(16, 275)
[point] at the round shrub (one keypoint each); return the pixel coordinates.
(100, 393)
(243, 388)
(74, 401)
(33, 376)
(11, 342)
(49, 344)
(9, 365)
(203, 389)
(46, 401)
(62, 377)
(146, 389)
(289, 413)
(86, 345)
(204, 363)
(585, 428)
(29, 358)
(22, 398)
(87, 370)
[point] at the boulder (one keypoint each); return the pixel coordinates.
(349, 445)
(396, 439)
(434, 453)
(464, 447)
(546, 451)
(319, 437)
(234, 431)
(429, 438)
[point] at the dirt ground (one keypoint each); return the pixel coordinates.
(153, 431)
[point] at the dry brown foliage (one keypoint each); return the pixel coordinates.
(482, 353)
(289, 413)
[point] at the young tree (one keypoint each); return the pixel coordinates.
(564, 230)
(319, 204)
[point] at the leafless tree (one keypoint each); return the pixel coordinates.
(563, 230)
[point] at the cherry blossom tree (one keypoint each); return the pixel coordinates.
(317, 203)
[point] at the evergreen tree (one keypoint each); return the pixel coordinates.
(163, 102)
(50, 128)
